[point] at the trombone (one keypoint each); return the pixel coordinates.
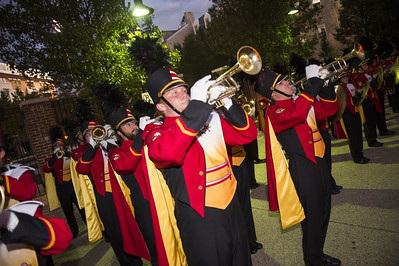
(340, 65)
(249, 61)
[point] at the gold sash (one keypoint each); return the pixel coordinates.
(318, 143)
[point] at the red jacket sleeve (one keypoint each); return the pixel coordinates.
(47, 168)
(239, 135)
(58, 232)
(325, 108)
(168, 144)
(48, 235)
(22, 189)
(125, 159)
(285, 117)
(83, 165)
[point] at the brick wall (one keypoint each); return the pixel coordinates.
(39, 116)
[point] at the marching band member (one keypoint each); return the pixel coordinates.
(126, 160)
(350, 125)
(26, 235)
(112, 198)
(189, 148)
(59, 167)
(18, 180)
(370, 104)
(293, 119)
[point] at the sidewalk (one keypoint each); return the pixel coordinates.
(364, 224)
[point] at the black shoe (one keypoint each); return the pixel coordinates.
(258, 161)
(253, 186)
(336, 189)
(376, 144)
(330, 261)
(363, 160)
(387, 133)
(255, 247)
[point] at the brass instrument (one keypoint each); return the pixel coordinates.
(247, 106)
(59, 154)
(340, 65)
(98, 133)
(249, 61)
(341, 99)
(2, 198)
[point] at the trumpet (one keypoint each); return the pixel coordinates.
(249, 61)
(98, 133)
(59, 154)
(340, 65)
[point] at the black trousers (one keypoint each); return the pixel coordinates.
(218, 239)
(381, 119)
(109, 217)
(252, 154)
(327, 154)
(370, 126)
(142, 216)
(242, 174)
(66, 195)
(353, 125)
(312, 183)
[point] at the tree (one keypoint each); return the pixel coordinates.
(373, 19)
(77, 43)
(264, 25)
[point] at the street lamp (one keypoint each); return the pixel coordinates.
(140, 10)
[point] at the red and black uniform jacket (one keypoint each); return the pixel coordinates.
(77, 153)
(126, 158)
(92, 164)
(288, 118)
(174, 148)
(21, 188)
(48, 236)
(55, 166)
(350, 106)
(359, 80)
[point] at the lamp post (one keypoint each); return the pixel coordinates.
(141, 10)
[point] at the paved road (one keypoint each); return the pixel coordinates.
(364, 224)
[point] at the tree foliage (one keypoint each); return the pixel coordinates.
(264, 25)
(77, 43)
(373, 19)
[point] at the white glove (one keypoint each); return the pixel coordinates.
(215, 93)
(323, 73)
(110, 131)
(91, 141)
(8, 220)
(312, 71)
(200, 89)
(144, 121)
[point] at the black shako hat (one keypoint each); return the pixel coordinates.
(56, 134)
(120, 116)
(266, 82)
(162, 80)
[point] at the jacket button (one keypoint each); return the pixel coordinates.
(200, 187)
(201, 173)
(310, 142)
(101, 180)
